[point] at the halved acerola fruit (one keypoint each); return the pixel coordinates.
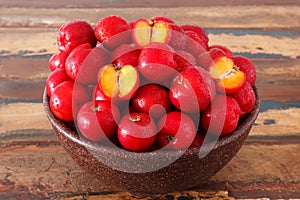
(118, 82)
(229, 79)
(145, 32)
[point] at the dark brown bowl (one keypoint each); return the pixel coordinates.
(189, 170)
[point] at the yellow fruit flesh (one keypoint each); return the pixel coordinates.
(142, 33)
(108, 81)
(127, 80)
(159, 33)
(221, 68)
(234, 80)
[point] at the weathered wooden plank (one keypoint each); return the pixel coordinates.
(23, 77)
(20, 116)
(135, 3)
(186, 195)
(38, 41)
(22, 88)
(27, 41)
(16, 118)
(31, 170)
(268, 16)
(259, 44)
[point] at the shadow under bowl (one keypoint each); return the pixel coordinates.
(188, 169)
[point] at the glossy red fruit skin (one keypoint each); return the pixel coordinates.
(80, 96)
(184, 60)
(112, 31)
(207, 58)
(198, 30)
(156, 62)
(162, 18)
(192, 90)
(98, 94)
(131, 24)
(246, 98)
(227, 52)
(54, 79)
(61, 101)
(73, 34)
(194, 44)
(150, 95)
(126, 54)
(246, 66)
(137, 135)
(76, 58)
(177, 130)
(178, 37)
(84, 62)
(97, 120)
(228, 112)
(198, 140)
(57, 60)
(65, 100)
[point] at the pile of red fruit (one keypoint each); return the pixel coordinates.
(147, 84)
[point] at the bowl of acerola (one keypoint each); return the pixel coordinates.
(148, 106)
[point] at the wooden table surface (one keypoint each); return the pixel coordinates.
(34, 165)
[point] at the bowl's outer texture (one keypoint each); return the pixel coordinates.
(188, 171)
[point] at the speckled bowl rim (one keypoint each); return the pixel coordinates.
(63, 128)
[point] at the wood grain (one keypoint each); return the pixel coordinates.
(269, 154)
(24, 63)
(135, 3)
(33, 170)
(23, 77)
(270, 16)
(35, 166)
(21, 118)
(41, 41)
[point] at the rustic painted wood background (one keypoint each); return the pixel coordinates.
(33, 164)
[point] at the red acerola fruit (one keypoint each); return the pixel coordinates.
(198, 30)
(208, 58)
(152, 99)
(246, 66)
(194, 44)
(222, 116)
(156, 62)
(75, 33)
(137, 132)
(126, 54)
(113, 31)
(184, 60)
(179, 38)
(58, 60)
(177, 130)
(246, 98)
(192, 90)
(97, 120)
(227, 51)
(55, 78)
(65, 101)
(84, 62)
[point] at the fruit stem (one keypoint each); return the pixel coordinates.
(236, 68)
(117, 68)
(151, 22)
(96, 109)
(135, 119)
(180, 80)
(170, 138)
